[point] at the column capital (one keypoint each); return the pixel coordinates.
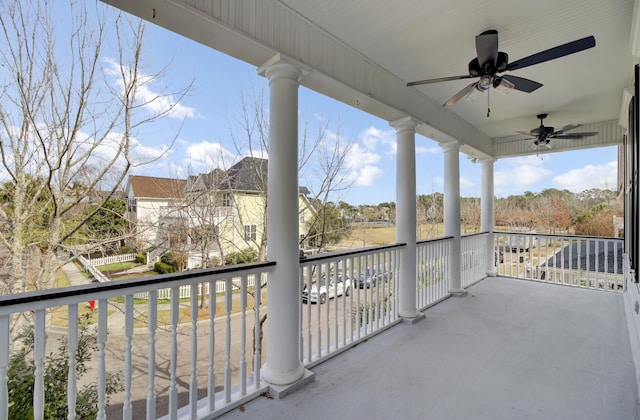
(280, 66)
(404, 124)
(487, 160)
(452, 146)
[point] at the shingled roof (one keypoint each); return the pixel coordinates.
(154, 187)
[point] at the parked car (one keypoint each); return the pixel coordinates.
(369, 277)
(338, 286)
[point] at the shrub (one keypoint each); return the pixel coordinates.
(164, 268)
(21, 378)
(141, 259)
(126, 249)
(247, 255)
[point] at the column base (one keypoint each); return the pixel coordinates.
(413, 320)
(458, 293)
(282, 378)
(281, 391)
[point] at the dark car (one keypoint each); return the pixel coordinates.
(369, 277)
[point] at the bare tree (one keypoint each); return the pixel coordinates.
(321, 162)
(69, 114)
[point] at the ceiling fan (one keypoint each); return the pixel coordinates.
(542, 135)
(490, 62)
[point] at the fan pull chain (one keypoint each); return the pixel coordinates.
(488, 102)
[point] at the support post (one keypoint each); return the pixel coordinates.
(283, 366)
(452, 212)
(487, 212)
(406, 216)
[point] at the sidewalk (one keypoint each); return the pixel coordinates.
(71, 270)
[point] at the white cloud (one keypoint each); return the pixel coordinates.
(428, 150)
(361, 168)
(204, 156)
(373, 137)
(591, 176)
(157, 103)
(521, 173)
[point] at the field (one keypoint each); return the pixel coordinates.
(382, 235)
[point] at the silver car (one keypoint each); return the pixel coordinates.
(338, 286)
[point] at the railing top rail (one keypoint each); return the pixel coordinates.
(339, 254)
(468, 235)
(425, 241)
(153, 282)
(559, 235)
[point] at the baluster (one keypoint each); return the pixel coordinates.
(128, 333)
(309, 342)
(173, 360)
(301, 324)
(358, 311)
(596, 266)
(579, 259)
(571, 267)
(39, 349)
(606, 264)
(4, 366)
(336, 330)
(318, 276)
(193, 383)
(228, 296)
(257, 355)
(588, 266)
(243, 335)
(72, 351)
(102, 364)
(349, 315)
(211, 377)
(153, 322)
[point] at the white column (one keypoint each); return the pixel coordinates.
(283, 366)
(487, 220)
(452, 212)
(406, 214)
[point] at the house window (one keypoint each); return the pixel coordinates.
(250, 232)
(226, 200)
(301, 218)
(133, 204)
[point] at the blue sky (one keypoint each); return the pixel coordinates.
(207, 117)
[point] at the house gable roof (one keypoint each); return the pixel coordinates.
(155, 187)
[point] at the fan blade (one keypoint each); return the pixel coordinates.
(575, 136)
(526, 133)
(487, 48)
(568, 128)
(440, 79)
(553, 53)
(455, 98)
(522, 84)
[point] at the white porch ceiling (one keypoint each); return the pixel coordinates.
(364, 52)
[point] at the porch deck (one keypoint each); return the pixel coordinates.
(508, 349)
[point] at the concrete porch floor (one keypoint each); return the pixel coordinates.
(508, 349)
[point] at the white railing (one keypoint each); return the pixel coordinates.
(97, 274)
(112, 259)
(349, 313)
(184, 292)
(580, 261)
(473, 258)
(432, 280)
(178, 347)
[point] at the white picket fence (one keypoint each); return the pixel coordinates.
(112, 259)
(185, 291)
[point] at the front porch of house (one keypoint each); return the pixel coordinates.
(513, 343)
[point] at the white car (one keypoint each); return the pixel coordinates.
(337, 287)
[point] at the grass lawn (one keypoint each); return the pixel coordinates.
(117, 266)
